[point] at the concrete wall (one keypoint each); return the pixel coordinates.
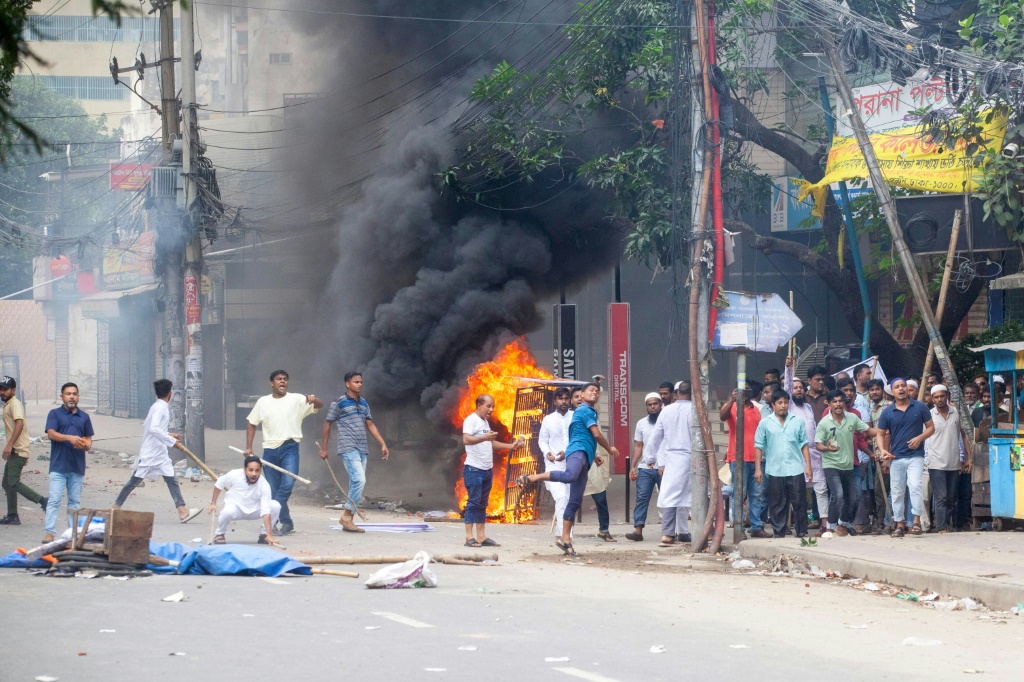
(23, 331)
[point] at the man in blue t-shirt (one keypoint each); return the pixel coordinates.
(70, 432)
(584, 437)
(903, 428)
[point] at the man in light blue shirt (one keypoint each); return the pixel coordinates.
(781, 440)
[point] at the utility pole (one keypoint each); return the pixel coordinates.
(885, 203)
(193, 271)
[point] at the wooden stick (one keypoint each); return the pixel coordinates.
(328, 571)
(941, 307)
(468, 558)
(202, 465)
(275, 467)
(338, 483)
(792, 341)
(213, 527)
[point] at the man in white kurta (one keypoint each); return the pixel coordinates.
(671, 439)
(552, 439)
(153, 459)
(247, 497)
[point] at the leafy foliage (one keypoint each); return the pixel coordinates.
(967, 362)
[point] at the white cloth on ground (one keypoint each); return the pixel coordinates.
(153, 460)
(232, 512)
(671, 440)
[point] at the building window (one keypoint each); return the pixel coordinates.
(83, 87)
(1013, 305)
(86, 29)
(280, 57)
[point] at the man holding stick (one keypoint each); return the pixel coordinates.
(352, 413)
(248, 497)
(280, 414)
(153, 459)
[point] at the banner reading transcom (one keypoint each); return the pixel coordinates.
(906, 160)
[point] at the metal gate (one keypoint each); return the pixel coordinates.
(532, 404)
(104, 386)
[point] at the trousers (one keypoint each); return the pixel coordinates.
(59, 483)
(231, 512)
(285, 456)
(601, 502)
(904, 473)
(355, 465)
(820, 489)
(842, 496)
(135, 481)
(576, 467)
(944, 488)
(785, 493)
(646, 479)
(478, 488)
(964, 498)
(560, 494)
(756, 494)
(675, 521)
(12, 484)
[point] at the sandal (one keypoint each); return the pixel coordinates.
(897, 532)
(566, 547)
(915, 529)
(606, 536)
(489, 543)
(219, 540)
(522, 481)
(472, 543)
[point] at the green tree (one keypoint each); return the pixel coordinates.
(26, 201)
(614, 71)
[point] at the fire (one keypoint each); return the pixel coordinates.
(497, 378)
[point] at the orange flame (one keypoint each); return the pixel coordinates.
(497, 378)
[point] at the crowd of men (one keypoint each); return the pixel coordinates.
(254, 491)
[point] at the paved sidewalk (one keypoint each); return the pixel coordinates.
(986, 566)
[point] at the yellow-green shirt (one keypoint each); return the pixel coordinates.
(13, 411)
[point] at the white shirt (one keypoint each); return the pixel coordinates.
(480, 455)
(642, 434)
(554, 437)
(248, 498)
(153, 459)
(281, 418)
(671, 439)
(942, 449)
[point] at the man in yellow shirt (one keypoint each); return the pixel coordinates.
(16, 453)
(280, 414)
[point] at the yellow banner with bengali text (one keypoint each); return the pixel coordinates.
(906, 160)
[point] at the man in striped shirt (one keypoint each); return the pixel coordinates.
(352, 414)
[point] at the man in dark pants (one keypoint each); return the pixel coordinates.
(781, 440)
(644, 466)
(942, 450)
(280, 414)
(16, 453)
(834, 439)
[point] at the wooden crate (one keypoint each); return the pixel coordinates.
(126, 540)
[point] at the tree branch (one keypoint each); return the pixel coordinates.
(753, 130)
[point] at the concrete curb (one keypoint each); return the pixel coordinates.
(989, 591)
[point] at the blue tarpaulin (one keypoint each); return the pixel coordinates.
(18, 560)
(225, 560)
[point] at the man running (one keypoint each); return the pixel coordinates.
(153, 459)
(247, 497)
(352, 413)
(584, 437)
(16, 453)
(280, 414)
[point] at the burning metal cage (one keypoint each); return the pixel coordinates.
(532, 404)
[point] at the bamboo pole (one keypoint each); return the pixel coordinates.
(331, 571)
(202, 465)
(440, 559)
(941, 307)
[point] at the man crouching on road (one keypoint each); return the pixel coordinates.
(248, 498)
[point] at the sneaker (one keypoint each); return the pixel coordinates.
(44, 502)
(287, 528)
(635, 537)
(842, 531)
(49, 537)
(759, 533)
(10, 520)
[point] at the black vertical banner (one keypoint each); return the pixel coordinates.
(565, 364)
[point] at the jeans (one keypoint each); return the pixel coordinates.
(842, 496)
(58, 484)
(601, 502)
(575, 474)
(355, 465)
(12, 484)
(756, 494)
(785, 492)
(944, 486)
(478, 485)
(646, 479)
(135, 481)
(904, 472)
(964, 497)
(285, 456)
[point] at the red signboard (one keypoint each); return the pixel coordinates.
(130, 177)
(618, 381)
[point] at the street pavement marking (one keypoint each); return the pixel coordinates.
(402, 619)
(584, 675)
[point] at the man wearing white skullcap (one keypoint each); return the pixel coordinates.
(942, 454)
(644, 466)
(552, 441)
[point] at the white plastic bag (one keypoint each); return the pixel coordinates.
(413, 573)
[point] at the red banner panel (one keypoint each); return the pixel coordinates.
(620, 427)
